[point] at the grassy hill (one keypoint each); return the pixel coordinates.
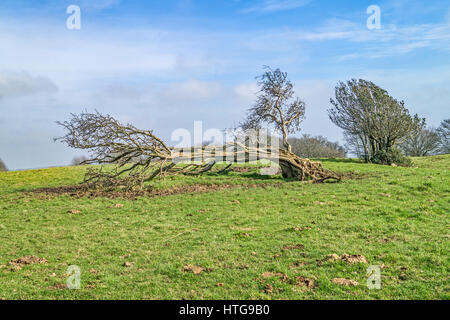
(234, 236)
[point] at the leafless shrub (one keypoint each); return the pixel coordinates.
(420, 143)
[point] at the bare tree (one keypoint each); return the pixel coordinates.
(3, 166)
(356, 145)
(420, 143)
(444, 136)
(275, 105)
(368, 113)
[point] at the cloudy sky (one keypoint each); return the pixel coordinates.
(164, 64)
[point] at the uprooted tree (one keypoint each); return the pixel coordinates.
(131, 157)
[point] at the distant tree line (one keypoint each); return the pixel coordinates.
(421, 143)
(3, 166)
(316, 147)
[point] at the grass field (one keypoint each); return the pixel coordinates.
(252, 237)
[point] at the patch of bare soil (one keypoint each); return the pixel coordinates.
(300, 281)
(305, 282)
(345, 282)
(86, 191)
(194, 269)
(349, 258)
(353, 258)
(279, 275)
(268, 288)
(17, 264)
(243, 169)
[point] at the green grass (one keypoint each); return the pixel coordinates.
(396, 217)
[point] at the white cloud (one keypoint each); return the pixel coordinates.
(268, 6)
(391, 40)
(246, 92)
(188, 92)
(14, 84)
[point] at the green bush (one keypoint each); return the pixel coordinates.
(391, 156)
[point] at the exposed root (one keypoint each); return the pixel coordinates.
(303, 169)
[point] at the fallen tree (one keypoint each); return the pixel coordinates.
(130, 157)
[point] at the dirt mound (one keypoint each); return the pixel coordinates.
(194, 269)
(345, 282)
(279, 275)
(305, 282)
(349, 258)
(354, 258)
(17, 264)
(300, 281)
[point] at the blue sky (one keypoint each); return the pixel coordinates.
(164, 64)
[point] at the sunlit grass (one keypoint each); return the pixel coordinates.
(396, 217)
